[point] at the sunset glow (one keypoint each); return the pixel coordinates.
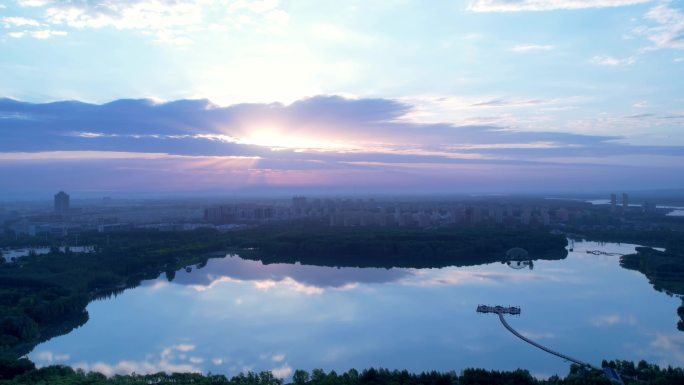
(476, 95)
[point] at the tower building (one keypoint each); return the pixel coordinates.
(61, 203)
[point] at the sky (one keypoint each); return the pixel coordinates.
(484, 96)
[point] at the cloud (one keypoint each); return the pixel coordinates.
(46, 33)
(323, 141)
(502, 102)
(668, 31)
(639, 116)
(33, 3)
(531, 48)
(144, 367)
(614, 319)
(302, 278)
(10, 22)
(282, 372)
(670, 348)
(611, 61)
(174, 22)
(458, 278)
(170, 360)
(49, 358)
(545, 5)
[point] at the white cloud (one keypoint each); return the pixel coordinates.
(185, 347)
(46, 34)
(288, 283)
(16, 35)
(156, 15)
(614, 319)
(282, 372)
(670, 347)
(278, 358)
(48, 357)
(669, 29)
(640, 104)
(531, 47)
(256, 6)
(545, 5)
(611, 61)
(174, 22)
(12, 21)
(196, 360)
(145, 367)
(33, 3)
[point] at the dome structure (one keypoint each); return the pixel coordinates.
(517, 253)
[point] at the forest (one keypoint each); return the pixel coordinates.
(313, 244)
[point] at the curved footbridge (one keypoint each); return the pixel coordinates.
(501, 310)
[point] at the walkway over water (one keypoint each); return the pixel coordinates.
(500, 310)
(599, 252)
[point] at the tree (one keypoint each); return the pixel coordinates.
(300, 377)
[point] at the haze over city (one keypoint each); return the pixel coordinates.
(296, 96)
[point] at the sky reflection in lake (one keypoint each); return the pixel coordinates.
(234, 315)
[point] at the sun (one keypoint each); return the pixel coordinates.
(280, 138)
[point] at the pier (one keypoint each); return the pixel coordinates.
(513, 310)
(598, 252)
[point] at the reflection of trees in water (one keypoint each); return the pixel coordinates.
(518, 258)
(664, 270)
(518, 265)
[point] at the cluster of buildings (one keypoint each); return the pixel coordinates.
(369, 212)
(104, 215)
(613, 202)
(107, 215)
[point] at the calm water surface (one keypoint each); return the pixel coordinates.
(235, 315)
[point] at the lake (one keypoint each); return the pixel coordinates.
(236, 315)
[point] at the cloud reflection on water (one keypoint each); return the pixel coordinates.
(306, 279)
(170, 359)
(314, 280)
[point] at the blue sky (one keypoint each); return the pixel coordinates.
(567, 86)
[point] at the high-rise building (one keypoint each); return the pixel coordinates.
(625, 201)
(613, 202)
(61, 203)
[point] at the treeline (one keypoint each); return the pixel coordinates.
(42, 296)
(312, 243)
(669, 238)
(664, 270)
(642, 373)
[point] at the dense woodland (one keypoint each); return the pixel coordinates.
(392, 247)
